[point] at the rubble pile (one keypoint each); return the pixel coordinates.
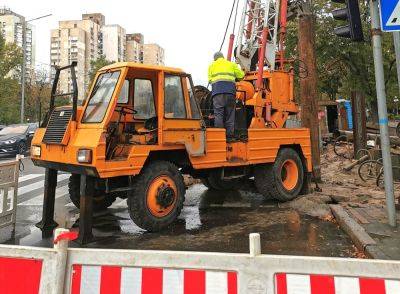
(339, 186)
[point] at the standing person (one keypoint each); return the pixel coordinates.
(222, 75)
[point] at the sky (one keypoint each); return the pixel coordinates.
(190, 31)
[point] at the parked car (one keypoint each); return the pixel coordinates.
(16, 139)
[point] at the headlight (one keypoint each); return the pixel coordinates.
(36, 151)
(84, 156)
(10, 141)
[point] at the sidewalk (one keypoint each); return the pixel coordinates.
(368, 227)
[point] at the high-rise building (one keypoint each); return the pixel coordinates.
(11, 26)
(80, 41)
(113, 43)
(134, 47)
(153, 54)
(87, 39)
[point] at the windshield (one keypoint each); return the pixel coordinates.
(100, 97)
(13, 130)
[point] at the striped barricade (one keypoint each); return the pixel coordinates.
(116, 279)
(33, 270)
(61, 270)
(19, 275)
(96, 271)
(325, 284)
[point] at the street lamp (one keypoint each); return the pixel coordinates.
(23, 69)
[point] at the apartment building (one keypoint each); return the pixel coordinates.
(11, 27)
(113, 42)
(80, 41)
(87, 39)
(153, 54)
(134, 47)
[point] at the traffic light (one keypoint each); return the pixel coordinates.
(351, 14)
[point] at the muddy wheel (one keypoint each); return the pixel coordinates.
(158, 195)
(282, 179)
(205, 182)
(214, 181)
(101, 200)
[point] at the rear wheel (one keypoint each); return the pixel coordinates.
(215, 181)
(101, 200)
(158, 195)
(283, 179)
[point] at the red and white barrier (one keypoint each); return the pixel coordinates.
(61, 270)
(325, 284)
(120, 280)
(20, 276)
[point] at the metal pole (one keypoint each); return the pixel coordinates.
(382, 111)
(23, 70)
(396, 41)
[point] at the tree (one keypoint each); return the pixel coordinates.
(10, 61)
(97, 64)
(38, 96)
(344, 66)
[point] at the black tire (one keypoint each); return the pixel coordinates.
(214, 181)
(369, 170)
(205, 182)
(101, 200)
(139, 210)
(21, 148)
(269, 178)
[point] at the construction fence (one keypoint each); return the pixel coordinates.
(71, 270)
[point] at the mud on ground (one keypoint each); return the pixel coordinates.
(339, 186)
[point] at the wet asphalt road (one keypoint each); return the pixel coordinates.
(210, 221)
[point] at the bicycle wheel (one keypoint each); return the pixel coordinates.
(343, 148)
(369, 170)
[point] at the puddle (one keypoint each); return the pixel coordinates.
(210, 221)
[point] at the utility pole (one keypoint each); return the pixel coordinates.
(23, 70)
(359, 121)
(382, 111)
(308, 85)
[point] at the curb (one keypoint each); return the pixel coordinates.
(357, 233)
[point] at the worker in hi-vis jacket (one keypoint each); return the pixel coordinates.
(222, 75)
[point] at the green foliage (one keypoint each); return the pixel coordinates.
(344, 66)
(97, 64)
(10, 61)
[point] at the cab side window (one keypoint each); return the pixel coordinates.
(143, 99)
(174, 101)
(124, 94)
(193, 104)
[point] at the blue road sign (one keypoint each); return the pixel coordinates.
(390, 15)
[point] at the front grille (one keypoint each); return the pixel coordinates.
(57, 125)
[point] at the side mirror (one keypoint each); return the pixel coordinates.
(31, 133)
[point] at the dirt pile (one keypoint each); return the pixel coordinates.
(339, 186)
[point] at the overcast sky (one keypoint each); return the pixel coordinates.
(190, 31)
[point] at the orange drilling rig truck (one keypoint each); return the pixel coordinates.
(142, 127)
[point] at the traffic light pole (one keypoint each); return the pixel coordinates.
(396, 41)
(382, 111)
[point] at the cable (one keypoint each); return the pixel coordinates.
(227, 26)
